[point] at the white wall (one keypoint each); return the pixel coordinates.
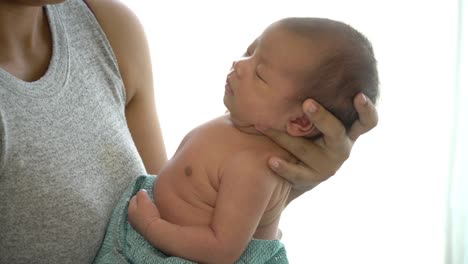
(387, 203)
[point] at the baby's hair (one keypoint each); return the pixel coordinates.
(346, 65)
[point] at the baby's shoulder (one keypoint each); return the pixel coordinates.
(248, 162)
(211, 127)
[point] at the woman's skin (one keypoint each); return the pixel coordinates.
(26, 49)
(321, 158)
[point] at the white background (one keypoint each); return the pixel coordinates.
(387, 203)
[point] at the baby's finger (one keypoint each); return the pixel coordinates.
(132, 205)
(143, 198)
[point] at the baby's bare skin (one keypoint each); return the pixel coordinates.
(186, 191)
(217, 193)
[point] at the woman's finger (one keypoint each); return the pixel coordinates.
(300, 147)
(333, 131)
(368, 117)
(297, 174)
(311, 153)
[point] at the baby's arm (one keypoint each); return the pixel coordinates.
(245, 189)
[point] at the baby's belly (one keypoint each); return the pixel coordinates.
(183, 204)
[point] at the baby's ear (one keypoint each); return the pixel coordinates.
(301, 126)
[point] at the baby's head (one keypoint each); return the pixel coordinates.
(295, 59)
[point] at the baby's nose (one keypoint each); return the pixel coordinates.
(236, 68)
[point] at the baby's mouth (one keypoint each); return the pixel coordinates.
(227, 88)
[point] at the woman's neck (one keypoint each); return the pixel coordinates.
(22, 29)
(26, 41)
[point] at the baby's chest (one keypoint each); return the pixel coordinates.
(192, 174)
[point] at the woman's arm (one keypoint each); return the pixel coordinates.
(127, 38)
(321, 158)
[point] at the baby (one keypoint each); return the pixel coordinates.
(216, 194)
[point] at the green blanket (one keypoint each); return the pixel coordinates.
(122, 244)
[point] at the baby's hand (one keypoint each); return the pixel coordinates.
(142, 212)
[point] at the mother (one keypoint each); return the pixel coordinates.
(78, 123)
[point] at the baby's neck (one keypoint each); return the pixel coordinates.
(248, 129)
(245, 128)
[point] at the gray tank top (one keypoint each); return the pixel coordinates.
(66, 153)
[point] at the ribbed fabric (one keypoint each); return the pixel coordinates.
(123, 245)
(66, 154)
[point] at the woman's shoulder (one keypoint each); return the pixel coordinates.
(128, 41)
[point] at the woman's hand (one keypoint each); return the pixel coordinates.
(142, 212)
(321, 158)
